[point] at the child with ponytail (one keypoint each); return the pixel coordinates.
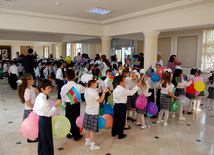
(27, 95)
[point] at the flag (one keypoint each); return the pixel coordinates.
(178, 79)
(73, 95)
(149, 71)
(76, 66)
(99, 66)
(46, 75)
(82, 72)
(136, 63)
(208, 82)
(87, 66)
(129, 63)
(185, 77)
(111, 77)
(100, 77)
(197, 73)
(158, 66)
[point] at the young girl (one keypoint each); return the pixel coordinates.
(5, 71)
(165, 96)
(27, 95)
(143, 90)
(178, 74)
(90, 122)
(211, 90)
(45, 111)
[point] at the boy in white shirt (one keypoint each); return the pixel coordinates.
(45, 111)
(120, 99)
(13, 74)
(72, 111)
(59, 78)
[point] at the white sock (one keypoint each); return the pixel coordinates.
(166, 116)
(160, 115)
(93, 147)
(87, 141)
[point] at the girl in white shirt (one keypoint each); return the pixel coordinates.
(143, 90)
(180, 88)
(27, 95)
(165, 96)
(90, 122)
(13, 74)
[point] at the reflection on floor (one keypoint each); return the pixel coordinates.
(191, 137)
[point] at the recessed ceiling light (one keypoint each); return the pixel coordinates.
(99, 11)
(10, 0)
(58, 3)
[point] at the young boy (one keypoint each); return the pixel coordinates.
(59, 78)
(45, 111)
(72, 111)
(13, 74)
(42, 70)
(120, 98)
(108, 83)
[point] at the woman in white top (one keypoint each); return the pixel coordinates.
(165, 96)
(27, 95)
(90, 122)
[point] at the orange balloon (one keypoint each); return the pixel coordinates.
(109, 120)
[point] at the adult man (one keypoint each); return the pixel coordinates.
(29, 63)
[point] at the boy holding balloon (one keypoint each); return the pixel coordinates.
(45, 111)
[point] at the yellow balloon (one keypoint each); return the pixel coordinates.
(199, 86)
(60, 126)
(68, 59)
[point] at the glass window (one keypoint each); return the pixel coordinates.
(45, 51)
(208, 50)
(68, 50)
(57, 52)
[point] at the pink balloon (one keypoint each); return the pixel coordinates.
(197, 93)
(78, 58)
(141, 102)
(29, 127)
(160, 71)
(52, 103)
(198, 78)
(79, 121)
(33, 114)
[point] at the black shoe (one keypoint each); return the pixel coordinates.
(69, 136)
(114, 135)
(123, 136)
(133, 120)
(183, 111)
(79, 137)
(32, 141)
(129, 118)
(127, 127)
(189, 113)
(154, 116)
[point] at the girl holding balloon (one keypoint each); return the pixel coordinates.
(27, 95)
(90, 122)
(143, 90)
(179, 84)
(166, 95)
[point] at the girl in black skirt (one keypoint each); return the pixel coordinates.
(165, 96)
(180, 84)
(90, 122)
(211, 90)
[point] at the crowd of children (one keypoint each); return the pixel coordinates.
(129, 83)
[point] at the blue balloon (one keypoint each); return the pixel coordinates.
(155, 78)
(108, 110)
(149, 115)
(110, 105)
(101, 122)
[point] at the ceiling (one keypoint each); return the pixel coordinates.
(78, 8)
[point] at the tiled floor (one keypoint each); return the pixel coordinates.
(179, 137)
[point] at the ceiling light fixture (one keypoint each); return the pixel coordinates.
(99, 11)
(58, 3)
(10, 0)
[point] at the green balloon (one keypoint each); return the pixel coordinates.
(75, 60)
(60, 126)
(110, 99)
(175, 106)
(0, 71)
(206, 94)
(101, 111)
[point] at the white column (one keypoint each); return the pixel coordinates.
(106, 46)
(150, 48)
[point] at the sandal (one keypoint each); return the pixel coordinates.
(127, 127)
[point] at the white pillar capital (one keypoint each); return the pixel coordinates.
(152, 33)
(105, 38)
